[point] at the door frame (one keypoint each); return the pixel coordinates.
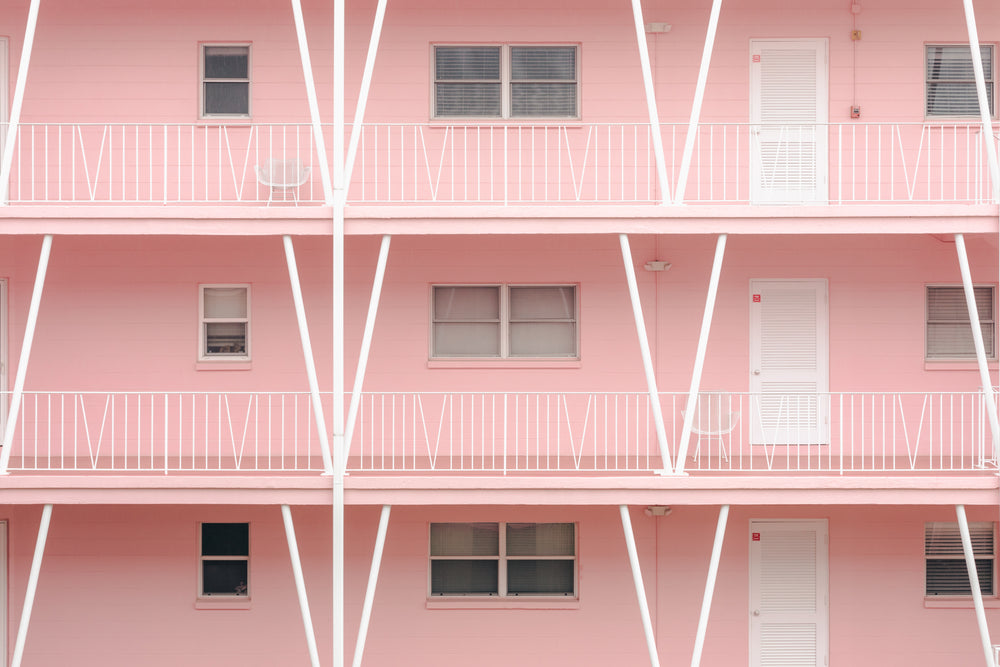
(822, 527)
(822, 44)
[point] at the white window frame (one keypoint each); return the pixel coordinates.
(929, 355)
(504, 321)
(202, 79)
(506, 82)
(202, 559)
(990, 83)
(203, 321)
(979, 528)
(502, 559)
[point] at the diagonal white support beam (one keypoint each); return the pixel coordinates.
(699, 96)
(713, 571)
(366, 343)
(647, 357)
(22, 362)
(307, 354)
(29, 594)
(317, 126)
(15, 107)
(699, 357)
(366, 83)
(654, 115)
(977, 593)
(977, 340)
(640, 589)
(984, 106)
(300, 585)
(366, 610)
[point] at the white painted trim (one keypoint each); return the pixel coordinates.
(202, 321)
(4, 590)
(822, 528)
(4, 363)
(640, 589)
(29, 593)
(300, 585)
(822, 376)
(822, 47)
(366, 610)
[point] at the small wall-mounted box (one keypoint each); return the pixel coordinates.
(657, 27)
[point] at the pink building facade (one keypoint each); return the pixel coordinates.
(592, 334)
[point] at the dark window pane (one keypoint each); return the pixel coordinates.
(225, 539)
(229, 98)
(543, 99)
(540, 577)
(467, 99)
(464, 577)
(543, 62)
(951, 577)
(224, 577)
(225, 338)
(227, 62)
(541, 539)
(467, 62)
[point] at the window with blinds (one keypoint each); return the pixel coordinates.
(504, 321)
(950, 80)
(224, 331)
(502, 559)
(946, 571)
(501, 81)
(948, 334)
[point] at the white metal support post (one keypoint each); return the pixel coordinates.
(15, 106)
(339, 202)
(640, 589)
(984, 106)
(317, 126)
(366, 611)
(366, 342)
(977, 340)
(647, 358)
(654, 115)
(22, 361)
(713, 571)
(29, 593)
(699, 357)
(699, 96)
(307, 354)
(977, 593)
(300, 585)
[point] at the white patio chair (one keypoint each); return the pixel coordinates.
(283, 177)
(713, 420)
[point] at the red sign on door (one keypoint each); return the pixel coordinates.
(756, 298)
(755, 537)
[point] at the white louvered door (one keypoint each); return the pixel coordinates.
(788, 116)
(789, 599)
(789, 362)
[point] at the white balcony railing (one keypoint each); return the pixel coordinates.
(505, 433)
(732, 163)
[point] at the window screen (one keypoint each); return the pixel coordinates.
(949, 335)
(500, 81)
(951, 83)
(225, 81)
(946, 571)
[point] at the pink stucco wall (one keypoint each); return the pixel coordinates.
(117, 587)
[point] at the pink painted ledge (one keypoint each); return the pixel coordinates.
(203, 220)
(370, 489)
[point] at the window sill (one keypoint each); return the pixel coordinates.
(959, 603)
(568, 123)
(972, 365)
(222, 603)
(222, 365)
(497, 364)
(502, 603)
